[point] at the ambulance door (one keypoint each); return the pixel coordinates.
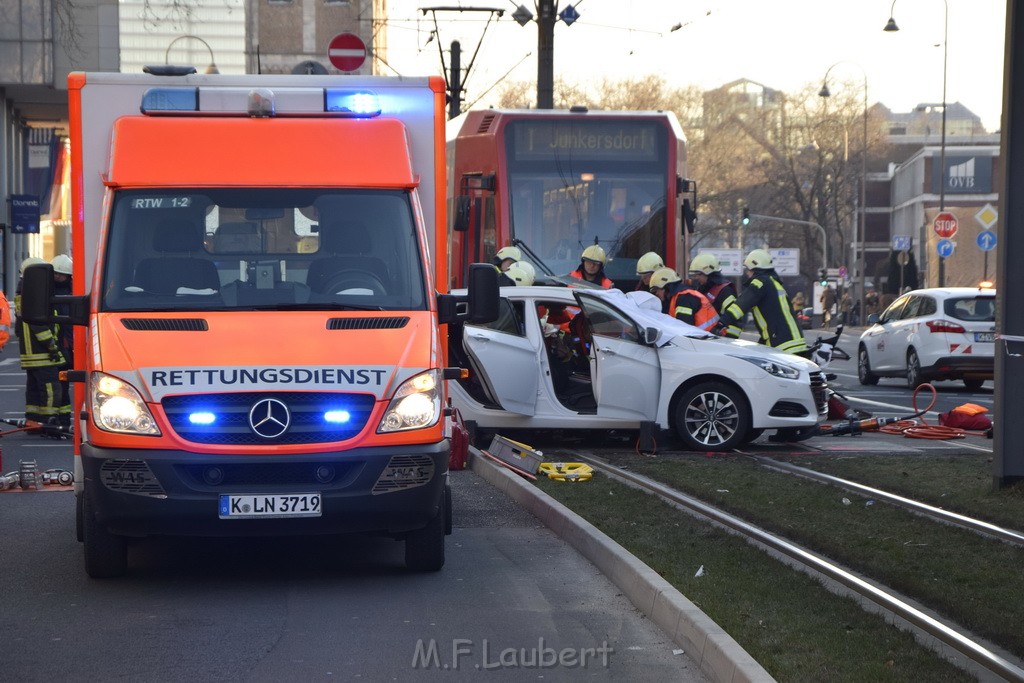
(625, 372)
(505, 359)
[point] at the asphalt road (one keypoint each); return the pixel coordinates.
(511, 600)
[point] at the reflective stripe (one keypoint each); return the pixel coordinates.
(684, 309)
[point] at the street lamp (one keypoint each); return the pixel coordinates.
(211, 69)
(891, 26)
(824, 92)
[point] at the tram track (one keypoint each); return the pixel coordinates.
(927, 627)
(945, 516)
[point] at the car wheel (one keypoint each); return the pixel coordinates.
(864, 373)
(79, 524)
(424, 548)
(712, 417)
(106, 555)
(914, 377)
(974, 384)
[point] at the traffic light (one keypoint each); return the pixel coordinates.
(746, 216)
(823, 277)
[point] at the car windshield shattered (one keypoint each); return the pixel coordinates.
(238, 249)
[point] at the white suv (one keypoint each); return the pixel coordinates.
(931, 334)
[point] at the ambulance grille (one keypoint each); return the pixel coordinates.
(404, 472)
(395, 323)
(231, 425)
(130, 476)
(166, 324)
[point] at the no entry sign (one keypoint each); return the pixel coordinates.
(347, 51)
(945, 225)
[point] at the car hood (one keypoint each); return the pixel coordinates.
(272, 351)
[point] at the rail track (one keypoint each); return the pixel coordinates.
(927, 627)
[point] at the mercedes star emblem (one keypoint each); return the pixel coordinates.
(269, 418)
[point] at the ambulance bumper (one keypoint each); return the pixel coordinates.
(384, 490)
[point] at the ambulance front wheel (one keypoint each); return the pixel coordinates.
(424, 548)
(79, 524)
(106, 555)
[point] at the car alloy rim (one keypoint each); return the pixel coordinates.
(711, 418)
(862, 365)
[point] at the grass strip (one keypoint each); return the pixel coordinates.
(970, 579)
(784, 619)
(959, 483)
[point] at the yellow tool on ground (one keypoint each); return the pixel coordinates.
(567, 471)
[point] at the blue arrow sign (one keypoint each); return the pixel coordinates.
(945, 248)
(569, 15)
(986, 240)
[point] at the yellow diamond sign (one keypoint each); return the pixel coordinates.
(987, 217)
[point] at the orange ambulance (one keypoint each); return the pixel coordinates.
(259, 301)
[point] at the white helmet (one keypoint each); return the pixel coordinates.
(594, 253)
(705, 263)
(519, 275)
(527, 268)
(30, 261)
(664, 276)
(648, 263)
(759, 258)
(508, 252)
(61, 264)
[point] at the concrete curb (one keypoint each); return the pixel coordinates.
(704, 641)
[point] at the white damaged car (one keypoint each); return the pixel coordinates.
(559, 358)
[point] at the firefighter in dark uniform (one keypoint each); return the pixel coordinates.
(765, 297)
(591, 267)
(42, 361)
(706, 271)
(680, 301)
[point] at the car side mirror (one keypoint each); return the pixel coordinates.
(651, 335)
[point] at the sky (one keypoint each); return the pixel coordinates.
(785, 45)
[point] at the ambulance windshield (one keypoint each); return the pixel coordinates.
(262, 248)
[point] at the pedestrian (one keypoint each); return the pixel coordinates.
(42, 360)
(871, 301)
(645, 267)
(827, 298)
(505, 257)
(798, 302)
(845, 307)
(765, 296)
(591, 268)
(681, 301)
(706, 272)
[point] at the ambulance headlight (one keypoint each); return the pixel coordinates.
(118, 407)
(416, 404)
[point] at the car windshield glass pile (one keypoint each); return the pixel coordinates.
(236, 249)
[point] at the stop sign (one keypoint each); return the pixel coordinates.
(347, 51)
(945, 225)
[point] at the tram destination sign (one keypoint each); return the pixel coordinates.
(537, 140)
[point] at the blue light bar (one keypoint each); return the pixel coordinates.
(337, 416)
(202, 418)
(170, 100)
(361, 104)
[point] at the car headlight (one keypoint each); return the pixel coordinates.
(118, 407)
(772, 367)
(416, 404)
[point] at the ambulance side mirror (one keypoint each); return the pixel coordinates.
(38, 300)
(480, 303)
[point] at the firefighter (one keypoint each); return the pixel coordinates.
(505, 257)
(706, 271)
(683, 302)
(591, 267)
(765, 297)
(645, 267)
(42, 360)
(520, 274)
(62, 267)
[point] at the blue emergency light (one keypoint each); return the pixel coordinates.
(337, 416)
(202, 418)
(349, 102)
(261, 102)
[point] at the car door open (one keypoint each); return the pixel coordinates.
(506, 359)
(625, 371)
